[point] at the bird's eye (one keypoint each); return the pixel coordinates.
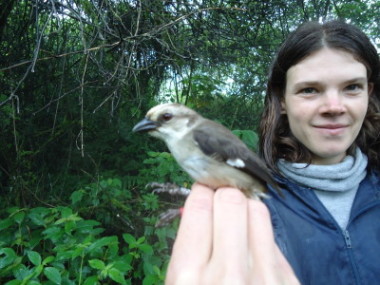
(167, 116)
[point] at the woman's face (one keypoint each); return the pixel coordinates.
(326, 100)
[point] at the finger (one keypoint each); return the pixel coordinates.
(268, 262)
(230, 230)
(261, 239)
(192, 247)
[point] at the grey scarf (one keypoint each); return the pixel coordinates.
(335, 185)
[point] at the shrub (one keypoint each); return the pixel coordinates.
(57, 246)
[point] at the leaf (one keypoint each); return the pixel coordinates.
(66, 212)
(53, 275)
(53, 233)
(6, 223)
(97, 264)
(48, 260)
(38, 214)
(34, 257)
(37, 270)
(130, 239)
(92, 280)
(141, 240)
(19, 217)
(116, 276)
(68, 218)
(33, 282)
(146, 248)
(9, 256)
(87, 226)
(116, 182)
(21, 272)
(78, 251)
(156, 270)
(105, 241)
(123, 266)
(250, 138)
(150, 280)
(76, 196)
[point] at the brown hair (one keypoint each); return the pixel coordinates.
(276, 140)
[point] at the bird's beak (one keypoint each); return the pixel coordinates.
(145, 125)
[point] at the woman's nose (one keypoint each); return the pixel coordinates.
(333, 103)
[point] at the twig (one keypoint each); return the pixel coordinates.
(81, 102)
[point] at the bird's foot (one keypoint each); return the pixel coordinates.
(167, 217)
(258, 195)
(171, 188)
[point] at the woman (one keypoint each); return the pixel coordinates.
(320, 134)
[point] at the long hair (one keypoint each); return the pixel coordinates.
(276, 139)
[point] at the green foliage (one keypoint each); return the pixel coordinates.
(56, 246)
(162, 167)
(250, 138)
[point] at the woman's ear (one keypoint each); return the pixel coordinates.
(283, 106)
(370, 88)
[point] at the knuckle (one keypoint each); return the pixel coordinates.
(199, 203)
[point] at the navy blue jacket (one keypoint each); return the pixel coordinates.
(318, 250)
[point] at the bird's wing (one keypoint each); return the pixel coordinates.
(217, 141)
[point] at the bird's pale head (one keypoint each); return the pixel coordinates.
(167, 121)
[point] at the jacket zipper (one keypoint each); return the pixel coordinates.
(348, 242)
(347, 239)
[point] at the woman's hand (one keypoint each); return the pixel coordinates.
(225, 238)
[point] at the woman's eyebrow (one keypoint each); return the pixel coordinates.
(357, 79)
(316, 82)
(306, 83)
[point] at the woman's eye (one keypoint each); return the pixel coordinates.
(309, 90)
(354, 87)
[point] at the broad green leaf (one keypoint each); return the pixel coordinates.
(146, 248)
(76, 196)
(141, 239)
(34, 257)
(48, 260)
(105, 241)
(68, 218)
(78, 251)
(65, 212)
(37, 270)
(19, 217)
(123, 266)
(130, 239)
(37, 215)
(7, 256)
(6, 223)
(53, 275)
(250, 138)
(87, 226)
(53, 233)
(92, 280)
(116, 276)
(97, 264)
(21, 272)
(150, 280)
(33, 282)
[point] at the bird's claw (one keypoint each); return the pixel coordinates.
(167, 217)
(169, 188)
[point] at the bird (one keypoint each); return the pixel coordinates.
(208, 151)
